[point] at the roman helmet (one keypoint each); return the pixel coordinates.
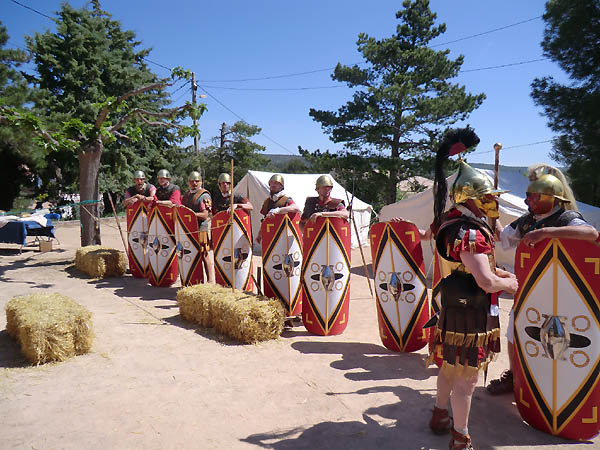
(164, 173)
(277, 178)
(324, 180)
(195, 176)
(468, 184)
(547, 185)
(139, 174)
(224, 178)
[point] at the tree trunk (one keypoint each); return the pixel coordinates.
(89, 166)
(393, 186)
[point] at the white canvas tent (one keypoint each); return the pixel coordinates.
(419, 209)
(255, 186)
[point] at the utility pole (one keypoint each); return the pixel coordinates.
(223, 127)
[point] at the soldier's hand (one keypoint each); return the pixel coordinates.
(512, 285)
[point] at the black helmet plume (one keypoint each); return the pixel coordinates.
(454, 141)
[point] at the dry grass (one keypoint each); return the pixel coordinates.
(101, 262)
(243, 316)
(49, 327)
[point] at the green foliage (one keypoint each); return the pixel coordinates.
(572, 39)
(233, 143)
(19, 155)
(402, 102)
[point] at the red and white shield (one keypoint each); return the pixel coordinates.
(557, 337)
(400, 285)
(282, 260)
(137, 239)
(233, 249)
(326, 276)
(162, 259)
(188, 247)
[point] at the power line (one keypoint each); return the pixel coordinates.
(513, 147)
(34, 10)
(241, 118)
(504, 65)
(277, 89)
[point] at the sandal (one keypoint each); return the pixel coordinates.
(460, 441)
(440, 422)
(502, 385)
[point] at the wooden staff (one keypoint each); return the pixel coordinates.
(231, 229)
(117, 220)
(358, 239)
(497, 148)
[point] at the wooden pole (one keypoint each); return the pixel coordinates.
(195, 121)
(117, 220)
(497, 148)
(231, 230)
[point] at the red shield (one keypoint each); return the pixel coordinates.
(137, 239)
(326, 275)
(400, 285)
(162, 258)
(188, 247)
(557, 337)
(282, 260)
(233, 249)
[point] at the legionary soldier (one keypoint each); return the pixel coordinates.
(167, 193)
(277, 202)
(222, 199)
(323, 205)
(552, 214)
(468, 326)
(199, 201)
(140, 191)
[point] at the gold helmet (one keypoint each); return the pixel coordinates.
(139, 174)
(323, 180)
(163, 173)
(277, 178)
(195, 176)
(547, 185)
(224, 178)
(471, 183)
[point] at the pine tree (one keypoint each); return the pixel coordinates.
(572, 39)
(402, 101)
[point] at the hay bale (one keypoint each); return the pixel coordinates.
(49, 327)
(243, 316)
(101, 262)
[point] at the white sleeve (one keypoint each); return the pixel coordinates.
(509, 237)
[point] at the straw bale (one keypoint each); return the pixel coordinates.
(49, 327)
(101, 262)
(243, 316)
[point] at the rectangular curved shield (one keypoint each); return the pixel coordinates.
(187, 247)
(137, 239)
(557, 337)
(282, 260)
(162, 257)
(326, 276)
(400, 285)
(233, 249)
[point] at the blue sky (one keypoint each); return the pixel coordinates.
(236, 40)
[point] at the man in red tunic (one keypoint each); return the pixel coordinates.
(277, 202)
(468, 328)
(323, 205)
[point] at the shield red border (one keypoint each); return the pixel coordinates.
(281, 236)
(188, 247)
(137, 235)
(317, 235)
(162, 258)
(436, 305)
(220, 227)
(558, 393)
(396, 247)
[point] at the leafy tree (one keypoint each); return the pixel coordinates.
(234, 143)
(100, 99)
(572, 39)
(402, 101)
(20, 158)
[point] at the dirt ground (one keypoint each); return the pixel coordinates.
(153, 381)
